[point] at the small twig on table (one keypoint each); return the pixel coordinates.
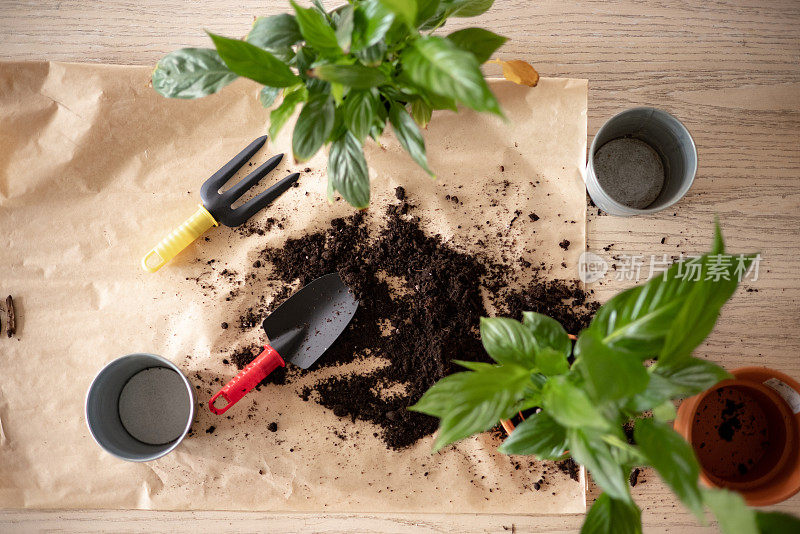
(11, 323)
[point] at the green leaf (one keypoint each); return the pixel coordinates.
(371, 21)
(399, 35)
(355, 76)
(551, 362)
(339, 128)
(316, 30)
(407, 132)
(609, 375)
(776, 522)
(337, 91)
(317, 86)
(533, 392)
(314, 125)
(426, 9)
(588, 448)
(467, 8)
(665, 412)
(481, 43)
(253, 62)
(375, 133)
(304, 58)
(441, 102)
(434, 22)
(421, 112)
(731, 511)
(320, 8)
(677, 381)
(191, 73)
(439, 66)
(274, 33)
(330, 192)
(612, 516)
(624, 453)
(472, 402)
(570, 406)
(390, 93)
(373, 55)
(507, 341)
(360, 112)
(658, 390)
(267, 95)
(347, 170)
(344, 27)
(405, 10)
(674, 460)
(547, 333)
(718, 247)
(475, 366)
(279, 115)
(692, 375)
(700, 310)
(638, 319)
(539, 435)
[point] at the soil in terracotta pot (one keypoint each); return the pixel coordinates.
(737, 434)
(421, 300)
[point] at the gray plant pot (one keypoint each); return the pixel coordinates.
(103, 408)
(667, 136)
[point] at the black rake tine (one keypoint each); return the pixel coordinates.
(251, 179)
(218, 179)
(262, 200)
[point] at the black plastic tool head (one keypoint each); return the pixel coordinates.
(219, 204)
(305, 325)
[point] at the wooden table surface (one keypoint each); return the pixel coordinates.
(728, 69)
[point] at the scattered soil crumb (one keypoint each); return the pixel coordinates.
(570, 467)
(634, 478)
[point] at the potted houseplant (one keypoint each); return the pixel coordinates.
(353, 70)
(628, 366)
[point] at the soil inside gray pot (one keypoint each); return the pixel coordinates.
(630, 171)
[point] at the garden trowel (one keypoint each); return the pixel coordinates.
(299, 331)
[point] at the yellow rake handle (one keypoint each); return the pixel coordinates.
(178, 239)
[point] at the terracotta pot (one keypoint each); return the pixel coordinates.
(745, 433)
(508, 425)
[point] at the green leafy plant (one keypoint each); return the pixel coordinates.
(354, 70)
(628, 366)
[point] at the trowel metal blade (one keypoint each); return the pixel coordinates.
(307, 323)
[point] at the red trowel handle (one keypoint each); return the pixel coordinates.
(247, 379)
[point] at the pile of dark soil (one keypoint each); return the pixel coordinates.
(420, 306)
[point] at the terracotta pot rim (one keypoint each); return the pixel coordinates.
(783, 479)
